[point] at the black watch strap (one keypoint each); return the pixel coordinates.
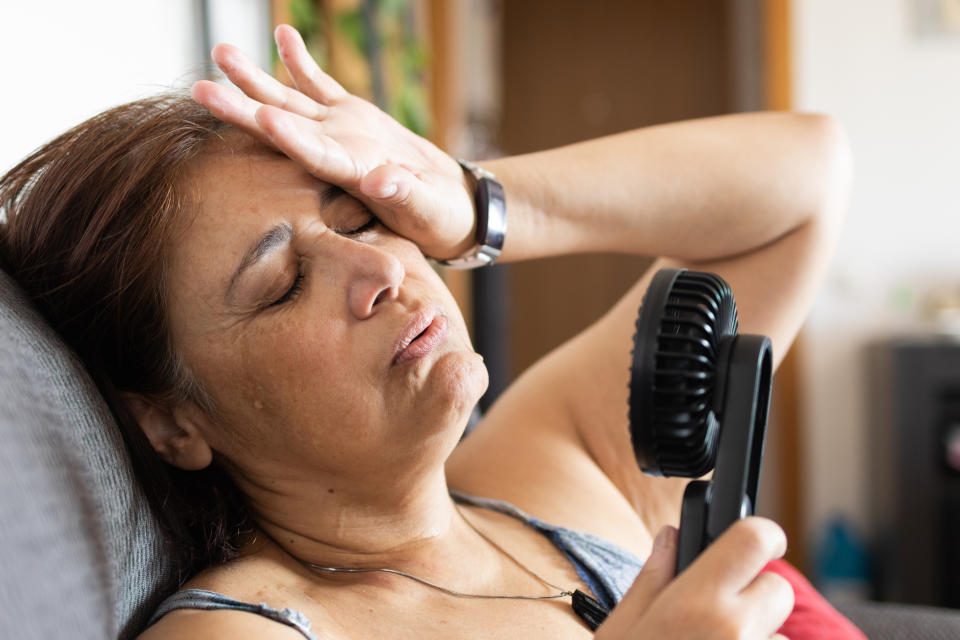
(491, 208)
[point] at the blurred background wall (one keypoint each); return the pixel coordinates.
(66, 61)
(897, 91)
(889, 70)
(518, 75)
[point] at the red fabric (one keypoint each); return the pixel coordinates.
(813, 618)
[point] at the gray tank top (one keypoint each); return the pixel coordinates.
(606, 568)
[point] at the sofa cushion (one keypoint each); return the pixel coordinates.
(81, 552)
(892, 621)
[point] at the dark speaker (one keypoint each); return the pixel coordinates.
(914, 446)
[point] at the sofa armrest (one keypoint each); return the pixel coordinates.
(894, 621)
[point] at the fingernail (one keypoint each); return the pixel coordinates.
(386, 190)
(664, 538)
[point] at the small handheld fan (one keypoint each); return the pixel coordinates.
(699, 400)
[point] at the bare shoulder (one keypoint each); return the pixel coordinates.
(258, 576)
(196, 624)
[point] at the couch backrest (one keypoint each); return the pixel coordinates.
(80, 551)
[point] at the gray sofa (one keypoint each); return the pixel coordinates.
(81, 555)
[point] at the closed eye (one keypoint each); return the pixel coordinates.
(366, 226)
(293, 291)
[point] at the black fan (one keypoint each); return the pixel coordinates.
(699, 399)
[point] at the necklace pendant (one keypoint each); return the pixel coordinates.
(592, 612)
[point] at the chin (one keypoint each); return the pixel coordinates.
(442, 405)
(450, 389)
(460, 378)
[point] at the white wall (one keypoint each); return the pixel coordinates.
(66, 60)
(899, 96)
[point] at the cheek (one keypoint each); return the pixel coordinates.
(289, 372)
(290, 398)
(295, 362)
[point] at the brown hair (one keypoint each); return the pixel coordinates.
(88, 218)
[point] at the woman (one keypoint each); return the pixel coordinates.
(255, 302)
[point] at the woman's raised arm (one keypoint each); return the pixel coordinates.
(758, 199)
(694, 190)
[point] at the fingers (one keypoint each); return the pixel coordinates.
(737, 556)
(261, 86)
(769, 599)
(229, 105)
(656, 574)
(307, 76)
(719, 596)
(299, 139)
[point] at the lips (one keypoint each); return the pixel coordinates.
(425, 331)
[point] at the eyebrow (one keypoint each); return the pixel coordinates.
(278, 236)
(329, 194)
(268, 242)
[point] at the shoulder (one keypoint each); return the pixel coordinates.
(190, 624)
(236, 604)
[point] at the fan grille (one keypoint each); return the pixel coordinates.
(681, 427)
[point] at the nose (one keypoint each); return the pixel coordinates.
(375, 277)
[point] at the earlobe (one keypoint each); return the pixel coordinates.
(172, 433)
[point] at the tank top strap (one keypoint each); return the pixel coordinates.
(211, 600)
(608, 569)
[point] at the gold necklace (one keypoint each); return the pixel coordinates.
(592, 612)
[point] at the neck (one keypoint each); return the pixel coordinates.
(420, 535)
(408, 525)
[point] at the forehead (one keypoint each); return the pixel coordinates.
(235, 197)
(234, 192)
(244, 184)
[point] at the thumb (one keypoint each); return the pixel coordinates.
(657, 572)
(391, 185)
(441, 224)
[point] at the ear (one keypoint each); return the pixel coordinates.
(173, 433)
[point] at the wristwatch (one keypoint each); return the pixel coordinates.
(491, 209)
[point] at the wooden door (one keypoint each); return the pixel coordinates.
(574, 70)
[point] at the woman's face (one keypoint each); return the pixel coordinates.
(295, 308)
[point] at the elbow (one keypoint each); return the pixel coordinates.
(832, 165)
